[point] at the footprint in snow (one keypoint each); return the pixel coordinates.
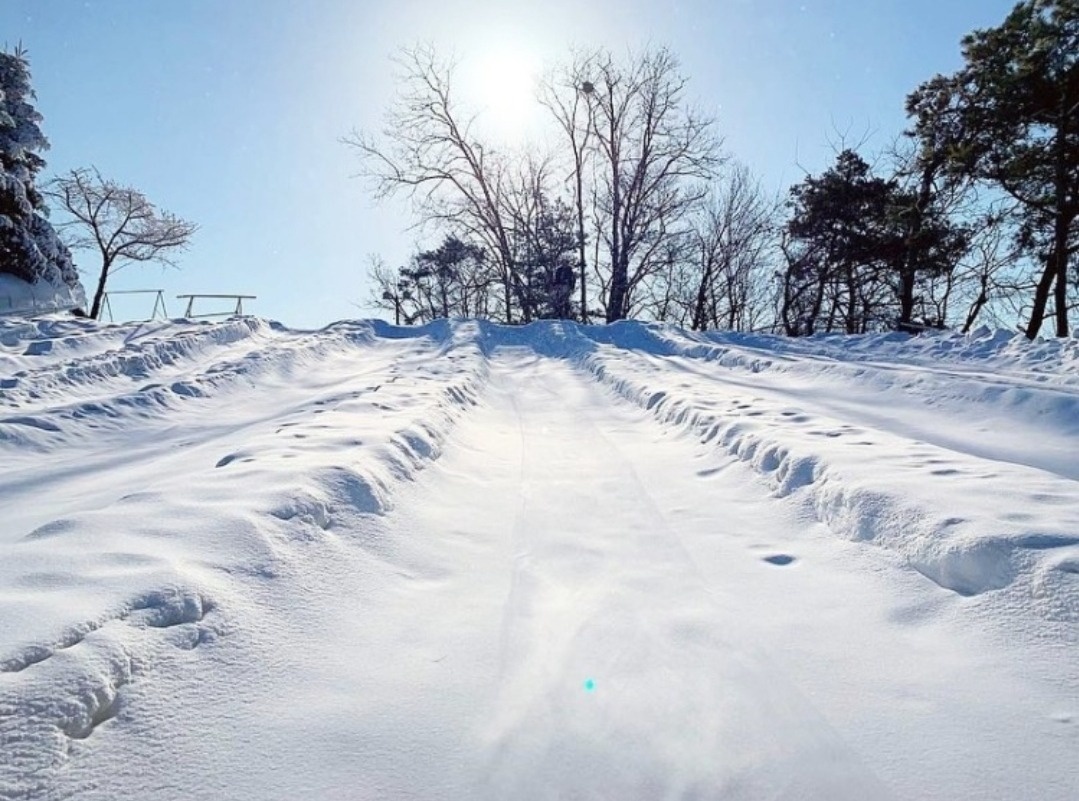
(780, 559)
(225, 461)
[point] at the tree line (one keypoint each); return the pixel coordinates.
(636, 210)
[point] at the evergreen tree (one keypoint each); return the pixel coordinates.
(546, 244)
(932, 243)
(839, 238)
(859, 248)
(456, 279)
(29, 247)
(1010, 118)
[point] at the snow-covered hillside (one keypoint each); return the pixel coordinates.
(464, 561)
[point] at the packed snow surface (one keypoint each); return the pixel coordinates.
(553, 562)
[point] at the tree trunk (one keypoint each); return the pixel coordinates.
(914, 235)
(818, 304)
(508, 292)
(1041, 299)
(977, 305)
(617, 298)
(1060, 257)
(1057, 267)
(850, 324)
(789, 297)
(1055, 277)
(619, 267)
(906, 297)
(99, 294)
(702, 298)
(580, 243)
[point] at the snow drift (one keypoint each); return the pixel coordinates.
(470, 561)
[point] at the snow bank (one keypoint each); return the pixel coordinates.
(970, 524)
(94, 599)
(17, 297)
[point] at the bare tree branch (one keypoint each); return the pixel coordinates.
(117, 221)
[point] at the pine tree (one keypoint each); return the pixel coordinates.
(29, 247)
(839, 238)
(1010, 118)
(456, 279)
(859, 247)
(546, 244)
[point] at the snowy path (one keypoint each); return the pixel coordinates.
(615, 677)
(482, 563)
(669, 589)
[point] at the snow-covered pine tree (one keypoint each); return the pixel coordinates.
(30, 249)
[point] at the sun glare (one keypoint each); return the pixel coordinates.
(501, 85)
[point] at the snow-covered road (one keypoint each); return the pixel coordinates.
(546, 563)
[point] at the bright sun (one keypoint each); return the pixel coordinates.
(501, 84)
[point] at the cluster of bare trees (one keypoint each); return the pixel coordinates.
(634, 211)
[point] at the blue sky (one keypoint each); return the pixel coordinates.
(229, 112)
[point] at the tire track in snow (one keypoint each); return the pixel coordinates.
(956, 544)
(137, 358)
(864, 393)
(524, 755)
(137, 449)
(253, 533)
(33, 344)
(269, 357)
(592, 605)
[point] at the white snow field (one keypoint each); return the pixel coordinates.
(239, 561)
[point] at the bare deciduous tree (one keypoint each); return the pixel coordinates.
(544, 242)
(390, 291)
(565, 94)
(117, 221)
(734, 239)
(654, 156)
(641, 159)
(427, 151)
